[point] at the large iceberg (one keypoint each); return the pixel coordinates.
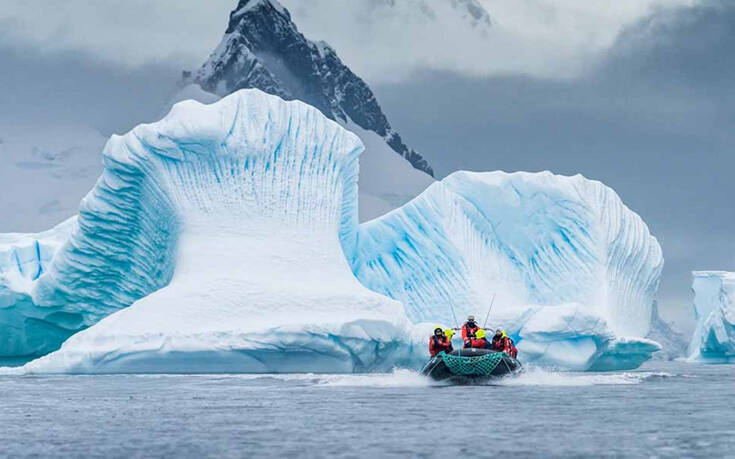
(225, 238)
(237, 210)
(713, 340)
(574, 272)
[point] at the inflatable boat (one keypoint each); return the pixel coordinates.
(471, 365)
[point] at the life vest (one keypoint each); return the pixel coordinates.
(478, 343)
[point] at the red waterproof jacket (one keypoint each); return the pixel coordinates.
(505, 345)
(467, 330)
(436, 345)
(512, 348)
(478, 343)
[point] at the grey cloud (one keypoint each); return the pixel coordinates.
(73, 86)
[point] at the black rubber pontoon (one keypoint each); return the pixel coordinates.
(469, 365)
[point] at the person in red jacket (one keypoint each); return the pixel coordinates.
(512, 351)
(438, 342)
(502, 343)
(469, 329)
(498, 343)
(479, 341)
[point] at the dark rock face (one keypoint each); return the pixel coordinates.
(263, 49)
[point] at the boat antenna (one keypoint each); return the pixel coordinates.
(492, 301)
(456, 324)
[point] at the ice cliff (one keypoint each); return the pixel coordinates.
(714, 307)
(225, 238)
(574, 270)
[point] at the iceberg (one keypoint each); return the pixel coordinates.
(225, 238)
(28, 331)
(573, 271)
(213, 242)
(713, 340)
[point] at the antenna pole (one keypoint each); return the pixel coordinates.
(492, 301)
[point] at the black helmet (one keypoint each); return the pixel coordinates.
(438, 331)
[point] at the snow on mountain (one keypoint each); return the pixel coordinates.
(263, 49)
(222, 225)
(225, 238)
(713, 340)
(574, 271)
(51, 166)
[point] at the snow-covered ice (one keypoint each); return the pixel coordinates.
(713, 340)
(225, 237)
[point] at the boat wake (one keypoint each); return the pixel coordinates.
(542, 377)
(410, 378)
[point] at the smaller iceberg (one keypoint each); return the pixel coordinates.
(574, 272)
(27, 330)
(713, 340)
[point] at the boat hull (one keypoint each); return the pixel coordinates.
(471, 366)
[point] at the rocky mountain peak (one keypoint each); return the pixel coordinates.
(262, 48)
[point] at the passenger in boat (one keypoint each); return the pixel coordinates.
(438, 342)
(469, 329)
(503, 343)
(479, 341)
(512, 351)
(498, 343)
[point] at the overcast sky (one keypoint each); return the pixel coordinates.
(636, 93)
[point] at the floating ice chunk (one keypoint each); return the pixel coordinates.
(713, 340)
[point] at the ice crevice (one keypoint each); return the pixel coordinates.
(225, 238)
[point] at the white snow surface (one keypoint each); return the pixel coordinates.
(225, 238)
(572, 269)
(713, 340)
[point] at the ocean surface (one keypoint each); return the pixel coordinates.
(664, 409)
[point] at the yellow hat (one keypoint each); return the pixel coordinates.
(504, 335)
(449, 333)
(480, 333)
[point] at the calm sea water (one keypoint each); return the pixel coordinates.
(661, 410)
